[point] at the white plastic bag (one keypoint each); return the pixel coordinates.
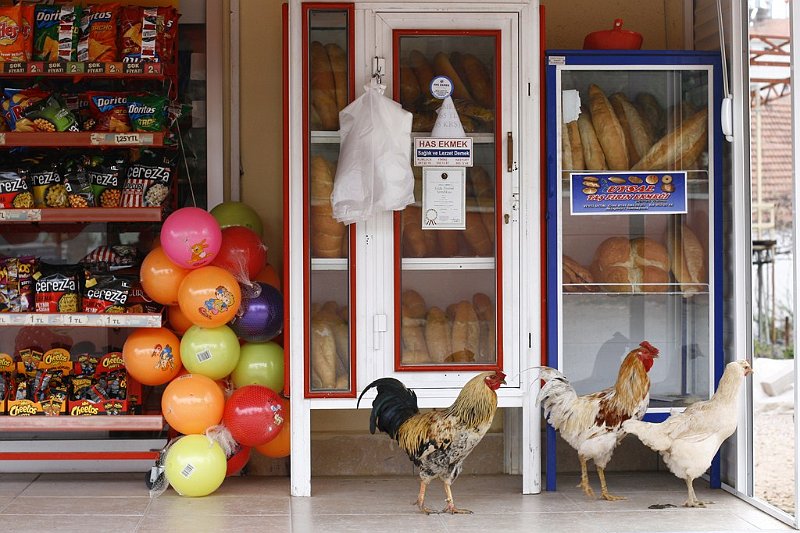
(374, 170)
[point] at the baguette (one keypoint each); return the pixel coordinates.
(637, 138)
(577, 148)
(413, 239)
(326, 232)
(437, 335)
(653, 114)
(479, 80)
(457, 60)
(424, 73)
(443, 67)
(484, 308)
(677, 145)
(321, 181)
(592, 153)
(323, 356)
(465, 335)
(339, 68)
(608, 129)
(477, 237)
(415, 349)
(573, 272)
(414, 304)
(323, 87)
(566, 150)
(409, 87)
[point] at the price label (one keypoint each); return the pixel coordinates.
(24, 215)
(5, 319)
(20, 319)
(115, 321)
(152, 68)
(15, 67)
(35, 68)
(153, 321)
(76, 320)
(74, 67)
(95, 67)
(40, 319)
(132, 68)
(128, 138)
(54, 67)
(114, 68)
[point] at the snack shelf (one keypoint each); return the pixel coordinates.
(82, 215)
(65, 139)
(82, 423)
(94, 69)
(443, 263)
(91, 320)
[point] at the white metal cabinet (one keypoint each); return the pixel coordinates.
(364, 283)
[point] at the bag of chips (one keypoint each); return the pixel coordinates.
(114, 257)
(110, 111)
(107, 176)
(51, 114)
(98, 40)
(148, 180)
(15, 191)
(58, 288)
(105, 293)
(27, 267)
(147, 112)
(9, 285)
(147, 34)
(12, 41)
(28, 13)
(48, 186)
(77, 183)
(15, 102)
(139, 302)
(56, 32)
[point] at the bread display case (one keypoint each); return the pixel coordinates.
(634, 219)
(388, 297)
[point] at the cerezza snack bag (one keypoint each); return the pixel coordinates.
(12, 42)
(56, 32)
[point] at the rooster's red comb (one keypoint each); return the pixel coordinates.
(649, 347)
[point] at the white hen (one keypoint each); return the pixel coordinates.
(689, 440)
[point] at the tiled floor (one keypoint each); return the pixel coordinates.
(119, 503)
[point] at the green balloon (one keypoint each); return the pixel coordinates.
(212, 352)
(195, 465)
(260, 363)
(237, 214)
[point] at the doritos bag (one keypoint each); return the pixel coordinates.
(12, 41)
(56, 32)
(99, 33)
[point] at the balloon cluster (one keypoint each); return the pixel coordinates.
(225, 371)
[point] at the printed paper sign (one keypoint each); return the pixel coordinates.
(619, 193)
(437, 152)
(444, 202)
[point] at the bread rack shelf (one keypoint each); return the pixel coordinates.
(329, 264)
(82, 215)
(455, 263)
(91, 320)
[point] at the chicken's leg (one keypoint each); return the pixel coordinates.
(421, 498)
(604, 489)
(451, 507)
(692, 500)
(584, 484)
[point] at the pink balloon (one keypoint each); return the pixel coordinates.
(191, 237)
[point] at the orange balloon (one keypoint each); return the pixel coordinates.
(281, 445)
(161, 277)
(152, 355)
(209, 296)
(192, 403)
(269, 276)
(177, 320)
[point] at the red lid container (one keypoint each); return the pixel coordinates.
(614, 39)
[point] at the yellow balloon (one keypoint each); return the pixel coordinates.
(195, 465)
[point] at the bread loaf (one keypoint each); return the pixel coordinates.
(683, 143)
(577, 148)
(636, 265)
(479, 80)
(443, 67)
(687, 258)
(323, 356)
(592, 152)
(338, 61)
(637, 137)
(414, 304)
(321, 181)
(566, 150)
(466, 330)
(413, 239)
(478, 239)
(608, 130)
(574, 273)
(424, 73)
(437, 335)
(326, 232)
(415, 348)
(409, 87)
(484, 308)
(323, 87)
(655, 118)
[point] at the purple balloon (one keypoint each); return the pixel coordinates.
(260, 317)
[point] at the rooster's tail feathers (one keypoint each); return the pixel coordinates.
(393, 405)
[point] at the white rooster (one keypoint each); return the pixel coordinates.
(689, 440)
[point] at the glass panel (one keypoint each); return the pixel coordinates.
(773, 297)
(449, 277)
(636, 277)
(328, 252)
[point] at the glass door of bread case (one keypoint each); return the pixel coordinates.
(330, 270)
(447, 296)
(635, 233)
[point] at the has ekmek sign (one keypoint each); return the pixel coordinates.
(436, 152)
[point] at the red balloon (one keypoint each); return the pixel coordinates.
(237, 461)
(242, 253)
(254, 415)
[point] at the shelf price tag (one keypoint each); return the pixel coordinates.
(20, 319)
(95, 67)
(16, 215)
(40, 319)
(5, 319)
(114, 68)
(15, 67)
(116, 321)
(76, 320)
(129, 138)
(75, 67)
(53, 67)
(132, 68)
